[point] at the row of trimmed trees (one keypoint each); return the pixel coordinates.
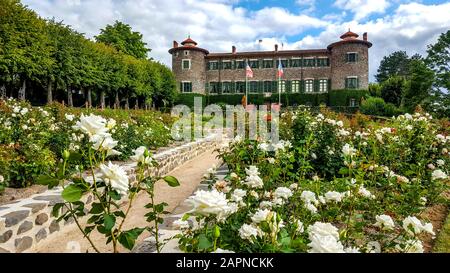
(54, 60)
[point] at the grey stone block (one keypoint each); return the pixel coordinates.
(35, 207)
(52, 199)
(23, 244)
(24, 227)
(13, 218)
(41, 219)
(42, 234)
(6, 236)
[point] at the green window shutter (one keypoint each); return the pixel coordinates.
(357, 57)
(316, 86)
(346, 82)
(206, 88)
(181, 87)
(329, 85)
(288, 87)
(357, 83)
(233, 87)
(274, 87)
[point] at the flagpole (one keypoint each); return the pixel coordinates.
(279, 80)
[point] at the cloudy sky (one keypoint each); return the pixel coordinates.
(297, 24)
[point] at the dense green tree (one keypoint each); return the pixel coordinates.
(24, 46)
(167, 93)
(395, 64)
(121, 37)
(438, 59)
(392, 90)
(418, 85)
(375, 89)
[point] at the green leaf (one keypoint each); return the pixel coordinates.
(56, 208)
(97, 208)
(47, 181)
(128, 238)
(72, 193)
(109, 221)
(114, 195)
(172, 181)
(75, 157)
(204, 242)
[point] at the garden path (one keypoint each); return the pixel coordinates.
(189, 174)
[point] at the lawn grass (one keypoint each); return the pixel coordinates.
(442, 244)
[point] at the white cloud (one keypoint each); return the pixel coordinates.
(217, 25)
(363, 8)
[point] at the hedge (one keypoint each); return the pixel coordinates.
(342, 97)
(333, 98)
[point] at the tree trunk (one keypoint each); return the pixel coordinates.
(127, 103)
(89, 98)
(69, 97)
(3, 92)
(136, 106)
(50, 92)
(22, 90)
(116, 101)
(102, 99)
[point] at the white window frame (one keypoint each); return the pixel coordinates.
(182, 64)
(323, 88)
(321, 58)
(250, 89)
(353, 77)
(210, 87)
(236, 84)
(307, 86)
(239, 60)
(352, 100)
(186, 52)
(209, 65)
(182, 85)
(222, 87)
(298, 86)
(282, 84)
(267, 67)
(227, 61)
(309, 58)
(297, 59)
(346, 56)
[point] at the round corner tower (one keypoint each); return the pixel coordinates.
(350, 62)
(188, 66)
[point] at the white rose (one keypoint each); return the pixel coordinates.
(104, 142)
(139, 156)
(411, 246)
(440, 162)
(91, 125)
(248, 232)
(69, 117)
(438, 174)
(325, 244)
(115, 176)
(333, 196)
(384, 222)
(283, 192)
(323, 229)
(219, 250)
(347, 150)
(180, 224)
(260, 215)
(210, 203)
(309, 197)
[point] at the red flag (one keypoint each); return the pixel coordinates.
(248, 72)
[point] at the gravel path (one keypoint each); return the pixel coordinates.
(189, 175)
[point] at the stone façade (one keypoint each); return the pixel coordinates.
(200, 76)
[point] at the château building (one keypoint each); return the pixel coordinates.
(343, 64)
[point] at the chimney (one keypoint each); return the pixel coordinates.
(276, 47)
(233, 49)
(365, 36)
(175, 44)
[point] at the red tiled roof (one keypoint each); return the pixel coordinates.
(349, 34)
(189, 41)
(269, 53)
(188, 48)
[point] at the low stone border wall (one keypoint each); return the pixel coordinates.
(25, 223)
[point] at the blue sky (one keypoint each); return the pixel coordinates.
(216, 25)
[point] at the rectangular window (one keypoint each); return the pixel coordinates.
(226, 87)
(240, 87)
(213, 65)
(186, 64)
(309, 62)
(295, 86)
(352, 57)
(353, 103)
(309, 86)
(267, 63)
(323, 85)
(186, 87)
(214, 87)
(296, 62)
(253, 87)
(253, 63)
(282, 86)
(240, 64)
(284, 63)
(226, 64)
(268, 87)
(322, 62)
(351, 83)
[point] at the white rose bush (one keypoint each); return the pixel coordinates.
(327, 188)
(108, 184)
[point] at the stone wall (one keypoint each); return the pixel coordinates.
(196, 74)
(25, 223)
